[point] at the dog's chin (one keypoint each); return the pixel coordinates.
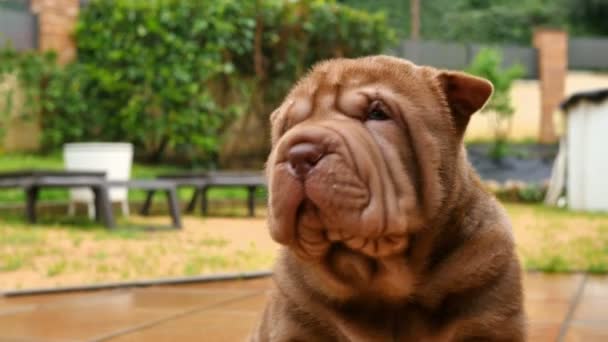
(315, 239)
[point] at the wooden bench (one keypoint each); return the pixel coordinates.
(33, 181)
(202, 182)
(167, 186)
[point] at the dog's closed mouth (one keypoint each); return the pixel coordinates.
(374, 247)
(315, 238)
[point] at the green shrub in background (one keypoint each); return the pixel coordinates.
(33, 71)
(496, 21)
(488, 64)
(289, 37)
(180, 77)
(171, 76)
(142, 74)
(521, 193)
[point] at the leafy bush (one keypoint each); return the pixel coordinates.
(488, 64)
(32, 71)
(142, 74)
(290, 36)
(495, 21)
(501, 20)
(525, 193)
(171, 76)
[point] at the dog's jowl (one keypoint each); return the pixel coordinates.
(386, 230)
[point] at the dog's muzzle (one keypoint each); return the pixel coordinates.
(326, 188)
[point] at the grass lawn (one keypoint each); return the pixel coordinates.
(76, 251)
(10, 162)
(557, 240)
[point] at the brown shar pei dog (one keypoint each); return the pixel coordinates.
(388, 234)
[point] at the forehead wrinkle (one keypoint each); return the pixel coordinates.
(337, 94)
(324, 96)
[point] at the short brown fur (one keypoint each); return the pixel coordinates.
(390, 236)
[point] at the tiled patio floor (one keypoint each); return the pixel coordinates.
(560, 308)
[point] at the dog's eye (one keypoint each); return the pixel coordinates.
(377, 114)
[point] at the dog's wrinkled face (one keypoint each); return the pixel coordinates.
(362, 154)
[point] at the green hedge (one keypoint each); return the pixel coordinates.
(294, 35)
(171, 75)
(33, 70)
(142, 74)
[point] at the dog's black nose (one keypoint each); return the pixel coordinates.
(303, 157)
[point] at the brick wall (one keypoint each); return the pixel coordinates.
(57, 19)
(552, 48)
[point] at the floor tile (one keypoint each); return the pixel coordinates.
(545, 310)
(596, 287)
(543, 332)
(551, 286)
(261, 283)
(15, 304)
(159, 298)
(587, 332)
(227, 311)
(11, 310)
(216, 326)
(593, 304)
(100, 315)
(254, 304)
(45, 298)
(591, 309)
(77, 324)
(29, 339)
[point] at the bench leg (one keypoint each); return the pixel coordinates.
(145, 209)
(251, 200)
(174, 208)
(192, 203)
(103, 207)
(204, 204)
(31, 194)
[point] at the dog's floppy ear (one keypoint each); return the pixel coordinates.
(466, 94)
